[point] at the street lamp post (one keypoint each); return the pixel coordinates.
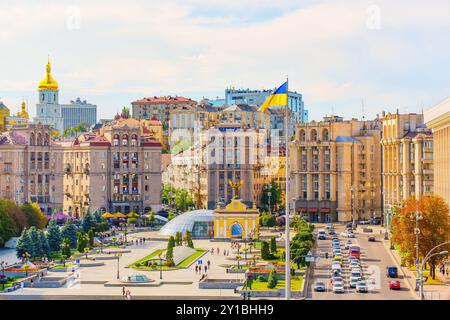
(417, 217)
(425, 259)
(118, 254)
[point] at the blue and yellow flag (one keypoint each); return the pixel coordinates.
(277, 98)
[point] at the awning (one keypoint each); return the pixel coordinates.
(313, 210)
(325, 210)
(301, 209)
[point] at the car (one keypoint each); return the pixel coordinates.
(355, 276)
(331, 232)
(349, 225)
(354, 264)
(321, 234)
(319, 286)
(338, 287)
(353, 283)
(348, 243)
(362, 287)
(371, 239)
(376, 221)
(353, 258)
(364, 222)
(329, 226)
(336, 279)
(356, 270)
(338, 258)
(394, 285)
(346, 234)
(392, 272)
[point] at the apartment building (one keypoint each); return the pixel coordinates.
(117, 169)
(31, 167)
(407, 147)
(335, 170)
(438, 120)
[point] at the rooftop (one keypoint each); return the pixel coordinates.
(163, 100)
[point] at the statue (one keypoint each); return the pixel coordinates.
(236, 186)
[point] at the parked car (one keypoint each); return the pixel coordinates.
(394, 285)
(321, 234)
(319, 286)
(371, 239)
(362, 287)
(353, 283)
(392, 272)
(338, 287)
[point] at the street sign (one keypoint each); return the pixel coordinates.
(200, 262)
(309, 259)
(77, 261)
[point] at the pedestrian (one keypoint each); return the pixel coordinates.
(218, 250)
(209, 263)
(123, 291)
(446, 272)
(196, 269)
(212, 251)
(206, 269)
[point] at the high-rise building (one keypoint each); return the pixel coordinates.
(31, 167)
(78, 112)
(407, 149)
(438, 120)
(335, 170)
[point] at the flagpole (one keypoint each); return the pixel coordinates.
(287, 223)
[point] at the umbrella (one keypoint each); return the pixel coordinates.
(132, 214)
(119, 215)
(107, 215)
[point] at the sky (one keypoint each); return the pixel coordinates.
(347, 57)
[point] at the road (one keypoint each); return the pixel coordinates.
(374, 260)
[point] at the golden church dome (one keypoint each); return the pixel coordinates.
(48, 83)
(23, 112)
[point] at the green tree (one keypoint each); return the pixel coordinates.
(272, 281)
(178, 238)
(275, 196)
(34, 214)
(44, 244)
(91, 237)
(273, 245)
(169, 251)
(152, 218)
(36, 244)
(23, 244)
(70, 231)
(53, 236)
(189, 241)
(171, 215)
(183, 200)
(8, 227)
(65, 248)
(87, 223)
(81, 242)
(265, 251)
(268, 220)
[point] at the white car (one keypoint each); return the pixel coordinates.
(362, 287)
(347, 234)
(353, 283)
(348, 243)
(355, 276)
(338, 287)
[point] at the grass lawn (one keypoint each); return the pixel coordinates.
(61, 266)
(296, 284)
(10, 283)
(183, 264)
(426, 273)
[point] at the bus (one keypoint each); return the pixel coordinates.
(354, 250)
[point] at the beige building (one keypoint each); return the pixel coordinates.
(407, 148)
(31, 167)
(117, 169)
(438, 120)
(335, 170)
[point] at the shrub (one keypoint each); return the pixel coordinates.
(272, 281)
(261, 279)
(265, 252)
(273, 245)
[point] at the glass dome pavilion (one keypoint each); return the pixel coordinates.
(198, 222)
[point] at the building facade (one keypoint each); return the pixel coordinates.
(335, 170)
(407, 148)
(31, 167)
(438, 120)
(117, 169)
(159, 107)
(78, 112)
(4, 114)
(257, 98)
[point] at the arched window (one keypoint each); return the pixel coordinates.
(302, 135)
(32, 139)
(313, 135)
(325, 135)
(116, 140)
(125, 140)
(134, 140)
(39, 139)
(46, 140)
